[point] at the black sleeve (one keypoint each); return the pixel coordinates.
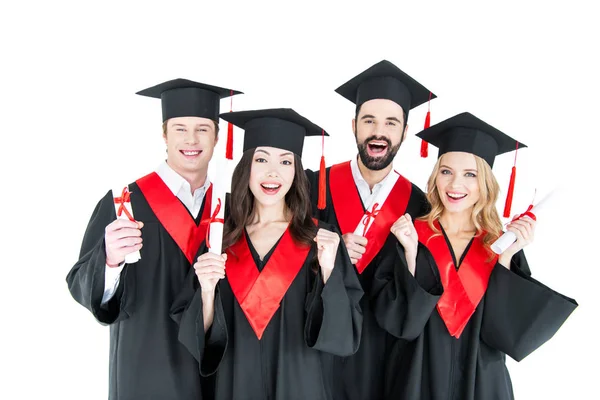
(86, 278)
(334, 317)
(208, 349)
(402, 303)
(521, 314)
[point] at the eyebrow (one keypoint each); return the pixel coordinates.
(388, 118)
(289, 153)
(394, 119)
(468, 169)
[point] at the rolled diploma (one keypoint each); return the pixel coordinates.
(117, 191)
(219, 191)
(508, 238)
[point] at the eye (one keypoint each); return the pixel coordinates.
(369, 121)
(470, 175)
(391, 123)
(201, 130)
(286, 162)
(260, 160)
(445, 172)
(180, 129)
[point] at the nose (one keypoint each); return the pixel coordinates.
(191, 137)
(456, 180)
(272, 173)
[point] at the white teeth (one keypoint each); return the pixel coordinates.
(270, 186)
(456, 195)
(191, 153)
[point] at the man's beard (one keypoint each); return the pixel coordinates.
(377, 163)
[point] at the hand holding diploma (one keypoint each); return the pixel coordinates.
(123, 237)
(513, 234)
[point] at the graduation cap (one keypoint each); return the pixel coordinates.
(467, 133)
(386, 81)
(185, 98)
(283, 128)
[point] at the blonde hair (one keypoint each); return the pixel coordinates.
(484, 214)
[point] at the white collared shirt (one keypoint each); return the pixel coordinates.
(180, 188)
(366, 194)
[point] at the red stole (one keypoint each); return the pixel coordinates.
(349, 209)
(260, 293)
(173, 215)
(463, 289)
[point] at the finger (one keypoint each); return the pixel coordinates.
(210, 270)
(522, 227)
(209, 263)
(125, 232)
(517, 233)
(213, 275)
(355, 255)
(120, 223)
(124, 242)
(210, 256)
(358, 239)
(123, 251)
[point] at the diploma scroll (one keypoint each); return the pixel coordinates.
(123, 210)
(508, 238)
(219, 190)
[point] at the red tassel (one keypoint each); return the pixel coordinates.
(229, 144)
(322, 176)
(509, 195)
(229, 147)
(424, 144)
(322, 183)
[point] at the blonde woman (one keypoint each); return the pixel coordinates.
(491, 307)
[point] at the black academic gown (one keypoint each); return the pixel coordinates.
(361, 376)
(516, 315)
(146, 359)
(293, 358)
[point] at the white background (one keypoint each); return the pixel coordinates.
(72, 128)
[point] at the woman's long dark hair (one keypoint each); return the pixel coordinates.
(241, 209)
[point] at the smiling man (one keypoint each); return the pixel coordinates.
(366, 192)
(146, 359)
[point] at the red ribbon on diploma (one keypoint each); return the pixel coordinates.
(125, 198)
(527, 213)
(370, 215)
(213, 218)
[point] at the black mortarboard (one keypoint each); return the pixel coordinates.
(467, 133)
(185, 98)
(283, 128)
(385, 81)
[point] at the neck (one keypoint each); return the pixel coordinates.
(266, 214)
(457, 223)
(373, 177)
(196, 179)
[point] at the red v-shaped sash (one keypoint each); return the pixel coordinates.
(174, 216)
(260, 293)
(349, 210)
(463, 289)
(344, 195)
